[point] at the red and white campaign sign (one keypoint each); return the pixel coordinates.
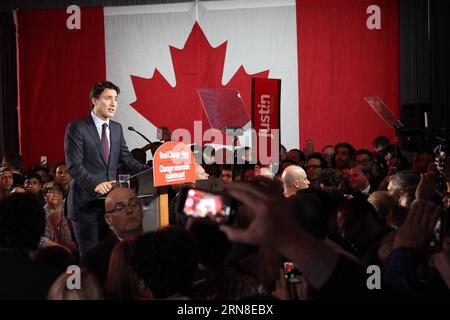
(266, 118)
(173, 163)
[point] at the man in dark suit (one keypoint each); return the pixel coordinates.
(359, 180)
(94, 146)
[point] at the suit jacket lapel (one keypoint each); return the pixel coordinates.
(94, 133)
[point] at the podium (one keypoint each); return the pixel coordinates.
(147, 194)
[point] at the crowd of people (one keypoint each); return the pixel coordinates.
(332, 215)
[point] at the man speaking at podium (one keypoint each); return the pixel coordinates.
(94, 146)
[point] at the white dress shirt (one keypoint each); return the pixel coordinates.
(98, 124)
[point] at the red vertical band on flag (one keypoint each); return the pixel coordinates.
(266, 118)
(58, 67)
(342, 57)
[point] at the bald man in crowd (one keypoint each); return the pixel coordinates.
(294, 178)
(124, 215)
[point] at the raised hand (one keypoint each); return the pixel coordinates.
(416, 232)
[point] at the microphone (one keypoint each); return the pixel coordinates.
(132, 129)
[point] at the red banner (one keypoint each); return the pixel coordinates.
(266, 119)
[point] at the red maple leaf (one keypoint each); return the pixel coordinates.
(197, 65)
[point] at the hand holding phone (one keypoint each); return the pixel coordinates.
(291, 272)
(43, 161)
(197, 203)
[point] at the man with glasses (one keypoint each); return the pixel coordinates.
(314, 167)
(124, 215)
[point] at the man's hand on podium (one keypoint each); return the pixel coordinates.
(104, 187)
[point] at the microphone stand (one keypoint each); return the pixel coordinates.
(235, 132)
(132, 129)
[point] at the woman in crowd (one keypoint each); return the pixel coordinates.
(57, 227)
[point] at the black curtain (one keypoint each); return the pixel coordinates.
(9, 141)
(440, 67)
(424, 52)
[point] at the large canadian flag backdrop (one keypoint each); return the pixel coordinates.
(324, 51)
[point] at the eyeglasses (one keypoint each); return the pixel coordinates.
(119, 207)
(52, 191)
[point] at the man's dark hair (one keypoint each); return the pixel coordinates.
(22, 222)
(300, 154)
(98, 88)
(288, 161)
(227, 167)
(348, 146)
(60, 163)
(318, 155)
(32, 175)
(364, 151)
(38, 168)
(402, 163)
(238, 169)
(14, 160)
(381, 142)
(166, 260)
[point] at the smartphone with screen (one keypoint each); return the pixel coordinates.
(198, 203)
(43, 161)
(291, 272)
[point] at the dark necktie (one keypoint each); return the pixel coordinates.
(105, 144)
